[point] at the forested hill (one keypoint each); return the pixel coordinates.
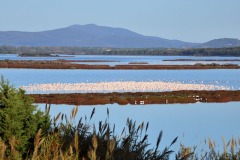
(232, 51)
(100, 36)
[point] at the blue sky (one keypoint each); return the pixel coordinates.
(187, 20)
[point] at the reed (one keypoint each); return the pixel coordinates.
(67, 141)
(3, 148)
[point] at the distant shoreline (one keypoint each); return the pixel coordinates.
(68, 50)
(68, 64)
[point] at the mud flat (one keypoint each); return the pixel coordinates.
(92, 60)
(66, 64)
(54, 64)
(43, 55)
(138, 97)
(217, 60)
(138, 63)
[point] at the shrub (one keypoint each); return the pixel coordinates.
(19, 119)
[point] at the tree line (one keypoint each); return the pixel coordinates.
(232, 51)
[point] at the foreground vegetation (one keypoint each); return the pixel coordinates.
(232, 51)
(26, 133)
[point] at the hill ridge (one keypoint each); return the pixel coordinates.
(92, 35)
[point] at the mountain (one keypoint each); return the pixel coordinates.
(87, 36)
(220, 43)
(91, 35)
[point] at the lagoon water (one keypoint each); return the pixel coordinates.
(223, 77)
(191, 122)
(118, 60)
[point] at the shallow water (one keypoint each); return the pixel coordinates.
(220, 77)
(128, 59)
(192, 123)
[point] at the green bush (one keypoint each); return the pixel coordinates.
(19, 118)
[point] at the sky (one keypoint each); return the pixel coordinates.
(186, 20)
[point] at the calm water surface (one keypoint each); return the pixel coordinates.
(192, 123)
(19, 77)
(127, 59)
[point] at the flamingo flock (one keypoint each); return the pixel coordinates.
(122, 86)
